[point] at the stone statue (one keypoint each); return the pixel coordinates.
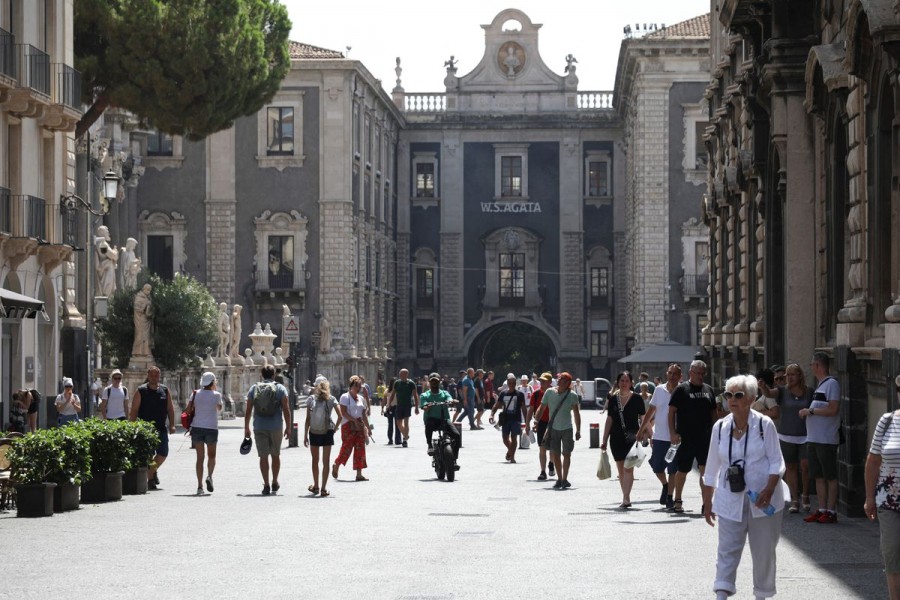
(132, 264)
(236, 331)
(570, 63)
(143, 317)
(224, 330)
(450, 64)
(285, 310)
(106, 259)
(325, 332)
(511, 61)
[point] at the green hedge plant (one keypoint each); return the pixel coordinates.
(34, 457)
(111, 444)
(144, 442)
(75, 453)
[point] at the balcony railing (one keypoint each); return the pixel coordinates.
(35, 217)
(695, 285)
(426, 102)
(5, 210)
(594, 100)
(66, 86)
(7, 54)
(34, 68)
(284, 281)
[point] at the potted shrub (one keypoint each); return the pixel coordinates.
(32, 459)
(74, 467)
(110, 458)
(144, 442)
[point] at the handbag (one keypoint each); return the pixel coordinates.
(546, 441)
(187, 417)
(630, 436)
(603, 469)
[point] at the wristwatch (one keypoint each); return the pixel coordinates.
(811, 412)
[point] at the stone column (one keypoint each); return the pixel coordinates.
(573, 330)
(451, 275)
(221, 203)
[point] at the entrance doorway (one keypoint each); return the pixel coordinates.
(519, 348)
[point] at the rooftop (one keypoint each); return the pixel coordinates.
(695, 28)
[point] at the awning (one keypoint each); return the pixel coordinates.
(18, 306)
(664, 353)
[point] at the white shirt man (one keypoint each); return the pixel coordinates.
(114, 399)
(659, 403)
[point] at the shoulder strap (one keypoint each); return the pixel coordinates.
(556, 411)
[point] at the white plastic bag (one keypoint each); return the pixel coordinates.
(524, 442)
(636, 456)
(603, 469)
(531, 436)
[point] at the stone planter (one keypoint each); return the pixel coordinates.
(134, 482)
(35, 500)
(65, 497)
(103, 487)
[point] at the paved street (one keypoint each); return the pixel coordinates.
(494, 533)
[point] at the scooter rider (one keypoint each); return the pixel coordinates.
(438, 417)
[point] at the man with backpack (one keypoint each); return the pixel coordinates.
(114, 399)
(269, 401)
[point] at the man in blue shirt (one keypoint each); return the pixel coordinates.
(467, 398)
(267, 427)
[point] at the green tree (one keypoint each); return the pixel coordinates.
(189, 67)
(184, 322)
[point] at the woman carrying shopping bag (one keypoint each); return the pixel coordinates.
(623, 421)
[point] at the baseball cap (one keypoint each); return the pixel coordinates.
(547, 376)
(246, 445)
(565, 375)
(207, 378)
(320, 379)
(434, 376)
(510, 375)
(67, 382)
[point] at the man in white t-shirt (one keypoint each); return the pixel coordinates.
(823, 423)
(660, 435)
(114, 399)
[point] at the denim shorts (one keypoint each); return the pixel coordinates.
(202, 435)
(163, 448)
(658, 458)
(511, 427)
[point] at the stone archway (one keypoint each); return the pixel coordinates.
(512, 346)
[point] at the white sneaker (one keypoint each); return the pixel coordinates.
(200, 491)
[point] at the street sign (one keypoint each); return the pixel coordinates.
(290, 329)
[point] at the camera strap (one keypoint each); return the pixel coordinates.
(731, 439)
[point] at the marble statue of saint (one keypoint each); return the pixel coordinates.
(325, 331)
(511, 61)
(106, 259)
(132, 264)
(224, 330)
(143, 317)
(236, 331)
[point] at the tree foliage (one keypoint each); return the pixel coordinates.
(189, 67)
(185, 316)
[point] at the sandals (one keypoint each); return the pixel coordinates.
(334, 470)
(795, 507)
(678, 507)
(324, 493)
(361, 478)
(313, 490)
(805, 504)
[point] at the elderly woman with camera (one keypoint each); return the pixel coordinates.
(744, 489)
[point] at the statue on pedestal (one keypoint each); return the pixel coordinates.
(325, 331)
(236, 331)
(132, 264)
(224, 330)
(143, 317)
(106, 259)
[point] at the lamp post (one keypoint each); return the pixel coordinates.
(72, 202)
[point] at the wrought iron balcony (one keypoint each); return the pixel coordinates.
(696, 286)
(35, 217)
(66, 86)
(285, 280)
(34, 68)
(5, 211)
(8, 54)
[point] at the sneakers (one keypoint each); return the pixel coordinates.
(209, 484)
(828, 517)
(275, 487)
(390, 443)
(200, 491)
(663, 495)
(542, 476)
(566, 484)
(814, 517)
(266, 490)
(405, 445)
(552, 470)
(558, 485)
(155, 479)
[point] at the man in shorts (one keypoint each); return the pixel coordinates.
(692, 412)
(405, 393)
(559, 403)
(152, 402)
(511, 404)
(267, 429)
(540, 424)
(823, 423)
(659, 403)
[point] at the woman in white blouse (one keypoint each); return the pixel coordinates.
(745, 460)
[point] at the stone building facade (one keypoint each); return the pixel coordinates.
(660, 82)
(509, 199)
(39, 106)
(802, 201)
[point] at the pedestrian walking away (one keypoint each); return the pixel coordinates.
(883, 491)
(389, 409)
(692, 412)
(823, 424)
(625, 411)
(267, 405)
(435, 404)
(205, 405)
(480, 401)
(511, 404)
(468, 396)
(658, 430)
(541, 423)
(152, 402)
(405, 398)
(744, 490)
(68, 405)
(559, 403)
(318, 434)
(354, 429)
(114, 401)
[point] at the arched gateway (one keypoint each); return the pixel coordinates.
(513, 346)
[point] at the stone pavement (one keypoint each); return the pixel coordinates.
(494, 533)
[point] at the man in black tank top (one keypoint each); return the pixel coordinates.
(152, 402)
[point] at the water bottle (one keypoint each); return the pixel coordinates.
(768, 509)
(671, 452)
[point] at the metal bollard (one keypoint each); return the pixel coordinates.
(295, 436)
(595, 435)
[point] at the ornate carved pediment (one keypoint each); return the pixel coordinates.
(51, 256)
(17, 249)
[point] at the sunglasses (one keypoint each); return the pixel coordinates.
(116, 378)
(735, 395)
